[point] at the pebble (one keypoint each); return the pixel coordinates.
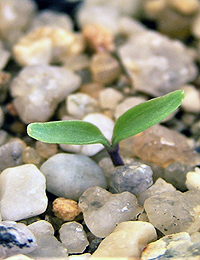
(11, 154)
(104, 123)
(176, 173)
(46, 150)
(195, 26)
(28, 185)
(31, 156)
(193, 179)
(126, 241)
(109, 98)
(175, 246)
(105, 68)
(48, 247)
(191, 101)
(4, 56)
(173, 211)
(148, 52)
(73, 237)
(69, 175)
(163, 146)
(135, 178)
(93, 89)
(77, 63)
(158, 187)
(102, 211)
(16, 238)
(79, 105)
(81, 257)
(37, 90)
(19, 257)
(4, 83)
(47, 45)
(65, 209)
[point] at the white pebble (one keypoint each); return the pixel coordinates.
(193, 179)
(191, 101)
(109, 98)
(22, 192)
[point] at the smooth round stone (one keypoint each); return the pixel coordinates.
(193, 179)
(4, 56)
(69, 175)
(191, 101)
(109, 98)
(73, 237)
(22, 192)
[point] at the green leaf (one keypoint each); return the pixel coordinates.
(145, 115)
(67, 132)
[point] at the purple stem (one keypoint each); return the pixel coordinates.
(115, 156)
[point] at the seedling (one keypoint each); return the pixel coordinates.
(135, 120)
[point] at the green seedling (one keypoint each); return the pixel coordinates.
(134, 121)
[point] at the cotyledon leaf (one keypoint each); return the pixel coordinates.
(67, 132)
(145, 115)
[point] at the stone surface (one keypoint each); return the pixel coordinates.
(158, 187)
(135, 178)
(126, 241)
(46, 150)
(81, 257)
(16, 238)
(37, 90)
(69, 175)
(27, 184)
(19, 257)
(173, 211)
(103, 210)
(65, 209)
(4, 56)
(163, 146)
(109, 98)
(148, 57)
(193, 179)
(191, 101)
(175, 246)
(31, 156)
(73, 237)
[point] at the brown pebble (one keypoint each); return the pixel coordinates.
(65, 209)
(46, 150)
(92, 89)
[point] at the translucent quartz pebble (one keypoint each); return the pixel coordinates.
(191, 101)
(163, 146)
(193, 179)
(74, 173)
(4, 56)
(37, 90)
(11, 154)
(148, 57)
(158, 187)
(135, 178)
(176, 173)
(48, 247)
(103, 210)
(15, 17)
(175, 246)
(126, 241)
(53, 19)
(27, 183)
(30, 155)
(47, 44)
(46, 150)
(16, 238)
(73, 237)
(173, 211)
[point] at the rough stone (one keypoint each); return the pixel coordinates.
(69, 175)
(126, 241)
(16, 238)
(27, 184)
(135, 178)
(73, 237)
(37, 91)
(103, 210)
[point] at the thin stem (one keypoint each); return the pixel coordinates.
(115, 156)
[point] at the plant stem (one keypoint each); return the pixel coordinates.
(115, 156)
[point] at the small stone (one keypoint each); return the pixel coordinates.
(19, 257)
(77, 63)
(28, 185)
(163, 146)
(73, 237)
(79, 105)
(135, 178)
(93, 89)
(158, 187)
(37, 90)
(196, 26)
(65, 209)
(105, 68)
(46, 150)
(126, 241)
(129, 26)
(175, 246)
(4, 83)
(4, 56)
(193, 179)
(176, 173)
(103, 210)
(191, 101)
(80, 257)
(16, 238)
(69, 175)
(109, 98)
(30, 156)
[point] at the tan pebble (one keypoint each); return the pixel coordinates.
(65, 209)
(109, 98)
(46, 150)
(98, 38)
(93, 89)
(30, 155)
(186, 7)
(11, 109)
(19, 257)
